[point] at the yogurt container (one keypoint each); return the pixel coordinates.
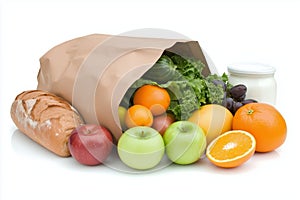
(258, 78)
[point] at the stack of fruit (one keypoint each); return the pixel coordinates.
(228, 139)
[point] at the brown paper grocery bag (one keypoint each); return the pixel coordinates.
(94, 72)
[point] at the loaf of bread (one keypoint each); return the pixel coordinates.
(45, 118)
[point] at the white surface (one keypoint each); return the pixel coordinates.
(230, 31)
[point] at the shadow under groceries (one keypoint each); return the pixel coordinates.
(25, 147)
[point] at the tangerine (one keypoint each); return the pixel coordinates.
(264, 122)
(138, 115)
(231, 149)
(153, 97)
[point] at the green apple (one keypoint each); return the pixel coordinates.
(122, 113)
(185, 142)
(141, 147)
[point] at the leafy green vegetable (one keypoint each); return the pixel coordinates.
(183, 79)
(163, 70)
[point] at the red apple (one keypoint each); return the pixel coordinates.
(90, 144)
(162, 122)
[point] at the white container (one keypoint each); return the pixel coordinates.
(258, 78)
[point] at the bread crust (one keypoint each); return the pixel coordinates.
(45, 118)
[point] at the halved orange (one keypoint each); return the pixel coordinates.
(231, 149)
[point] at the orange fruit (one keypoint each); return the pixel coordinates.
(231, 149)
(213, 119)
(264, 122)
(155, 98)
(138, 115)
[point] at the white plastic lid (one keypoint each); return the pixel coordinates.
(251, 69)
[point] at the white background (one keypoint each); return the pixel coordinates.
(229, 31)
